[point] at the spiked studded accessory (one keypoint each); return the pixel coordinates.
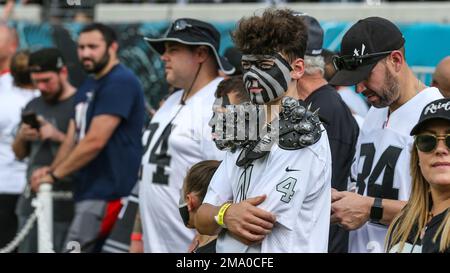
(298, 128)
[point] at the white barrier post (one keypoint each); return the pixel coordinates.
(45, 218)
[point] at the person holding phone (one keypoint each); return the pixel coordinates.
(45, 121)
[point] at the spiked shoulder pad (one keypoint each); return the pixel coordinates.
(298, 126)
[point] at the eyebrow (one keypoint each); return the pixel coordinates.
(257, 57)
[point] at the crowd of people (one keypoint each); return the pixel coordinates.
(273, 149)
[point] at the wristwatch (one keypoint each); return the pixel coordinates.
(376, 212)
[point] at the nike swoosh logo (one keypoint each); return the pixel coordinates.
(291, 170)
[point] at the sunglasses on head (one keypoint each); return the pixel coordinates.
(427, 143)
(182, 25)
(348, 62)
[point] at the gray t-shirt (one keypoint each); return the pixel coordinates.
(42, 153)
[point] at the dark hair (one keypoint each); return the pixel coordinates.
(233, 83)
(328, 55)
(198, 177)
(19, 68)
(109, 35)
(277, 30)
(329, 69)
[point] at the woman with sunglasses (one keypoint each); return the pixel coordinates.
(424, 223)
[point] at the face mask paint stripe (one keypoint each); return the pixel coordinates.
(285, 70)
(270, 80)
(272, 94)
(265, 95)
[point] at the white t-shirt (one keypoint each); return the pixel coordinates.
(382, 160)
(298, 188)
(12, 101)
(172, 150)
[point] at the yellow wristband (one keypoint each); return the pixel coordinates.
(221, 214)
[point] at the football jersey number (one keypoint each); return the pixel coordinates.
(387, 162)
(161, 159)
(287, 187)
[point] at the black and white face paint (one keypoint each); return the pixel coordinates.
(266, 77)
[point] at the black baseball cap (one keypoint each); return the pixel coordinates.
(363, 46)
(192, 32)
(46, 59)
(438, 109)
(315, 34)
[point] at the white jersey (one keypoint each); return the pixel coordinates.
(382, 159)
(12, 101)
(177, 138)
(298, 188)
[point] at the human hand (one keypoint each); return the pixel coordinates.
(35, 184)
(136, 246)
(39, 173)
(247, 222)
(350, 210)
(48, 131)
(27, 133)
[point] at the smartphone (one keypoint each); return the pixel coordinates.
(31, 119)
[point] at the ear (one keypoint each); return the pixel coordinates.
(114, 47)
(192, 202)
(298, 68)
(202, 53)
(396, 60)
(64, 72)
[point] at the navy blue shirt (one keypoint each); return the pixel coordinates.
(113, 173)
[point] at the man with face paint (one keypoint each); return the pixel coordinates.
(54, 109)
(103, 144)
(373, 58)
(273, 196)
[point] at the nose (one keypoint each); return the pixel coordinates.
(41, 86)
(164, 57)
(441, 147)
(253, 82)
(84, 52)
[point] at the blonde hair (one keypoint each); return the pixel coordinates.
(416, 212)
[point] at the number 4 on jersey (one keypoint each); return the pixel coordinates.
(287, 187)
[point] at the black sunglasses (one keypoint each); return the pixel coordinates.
(427, 143)
(182, 25)
(349, 62)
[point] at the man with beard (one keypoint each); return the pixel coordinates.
(273, 193)
(53, 109)
(373, 58)
(103, 144)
